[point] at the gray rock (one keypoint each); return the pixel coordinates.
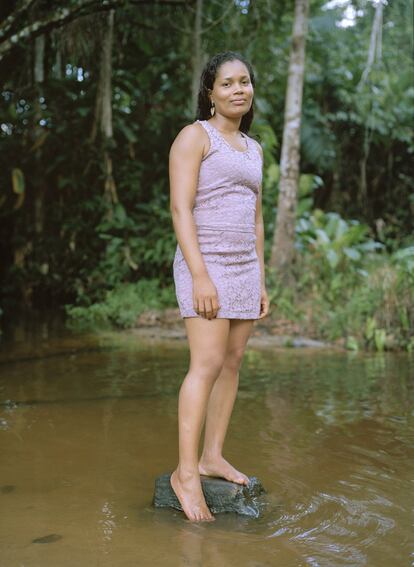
(220, 494)
(50, 538)
(7, 488)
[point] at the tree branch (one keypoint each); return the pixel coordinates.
(7, 24)
(63, 16)
(210, 26)
(230, 6)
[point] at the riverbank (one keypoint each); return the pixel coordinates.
(167, 324)
(36, 335)
(362, 307)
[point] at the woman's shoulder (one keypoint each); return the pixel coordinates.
(192, 133)
(192, 139)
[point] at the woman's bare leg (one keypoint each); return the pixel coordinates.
(208, 341)
(220, 406)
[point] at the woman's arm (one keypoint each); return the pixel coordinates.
(260, 231)
(186, 154)
(260, 238)
(264, 300)
(184, 164)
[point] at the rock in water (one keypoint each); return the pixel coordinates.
(50, 538)
(221, 495)
(6, 488)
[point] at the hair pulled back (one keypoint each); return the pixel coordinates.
(208, 76)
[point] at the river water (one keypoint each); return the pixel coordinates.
(87, 422)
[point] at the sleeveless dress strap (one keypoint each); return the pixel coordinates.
(212, 135)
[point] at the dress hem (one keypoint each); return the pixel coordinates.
(224, 316)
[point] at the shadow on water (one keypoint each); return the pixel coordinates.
(87, 422)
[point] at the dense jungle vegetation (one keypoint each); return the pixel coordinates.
(93, 94)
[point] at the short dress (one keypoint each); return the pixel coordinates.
(224, 214)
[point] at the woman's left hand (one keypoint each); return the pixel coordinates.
(264, 303)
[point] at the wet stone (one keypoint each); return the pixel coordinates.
(7, 488)
(50, 538)
(221, 495)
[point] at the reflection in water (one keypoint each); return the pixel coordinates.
(88, 422)
(108, 523)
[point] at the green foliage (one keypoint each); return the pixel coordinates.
(348, 286)
(140, 243)
(122, 305)
(365, 313)
(354, 278)
(404, 259)
(336, 246)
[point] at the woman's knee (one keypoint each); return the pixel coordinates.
(207, 340)
(208, 365)
(233, 358)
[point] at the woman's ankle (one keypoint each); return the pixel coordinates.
(211, 456)
(187, 473)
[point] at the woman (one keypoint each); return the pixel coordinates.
(215, 201)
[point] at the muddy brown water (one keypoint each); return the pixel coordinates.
(88, 421)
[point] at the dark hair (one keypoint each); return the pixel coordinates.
(208, 76)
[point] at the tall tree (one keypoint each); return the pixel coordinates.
(103, 107)
(374, 56)
(375, 43)
(282, 252)
(197, 54)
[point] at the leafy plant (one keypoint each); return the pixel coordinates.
(122, 305)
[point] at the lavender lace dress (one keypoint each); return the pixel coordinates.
(224, 213)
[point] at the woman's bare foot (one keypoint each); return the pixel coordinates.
(187, 488)
(221, 468)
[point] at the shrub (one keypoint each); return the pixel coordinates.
(123, 304)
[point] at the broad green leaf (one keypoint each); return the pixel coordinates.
(18, 181)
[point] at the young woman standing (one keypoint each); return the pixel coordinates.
(215, 201)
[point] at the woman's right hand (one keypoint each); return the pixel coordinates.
(205, 298)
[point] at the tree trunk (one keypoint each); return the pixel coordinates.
(374, 55)
(38, 133)
(103, 108)
(58, 64)
(37, 180)
(197, 55)
(363, 187)
(283, 245)
(375, 44)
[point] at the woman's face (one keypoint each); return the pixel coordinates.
(232, 91)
